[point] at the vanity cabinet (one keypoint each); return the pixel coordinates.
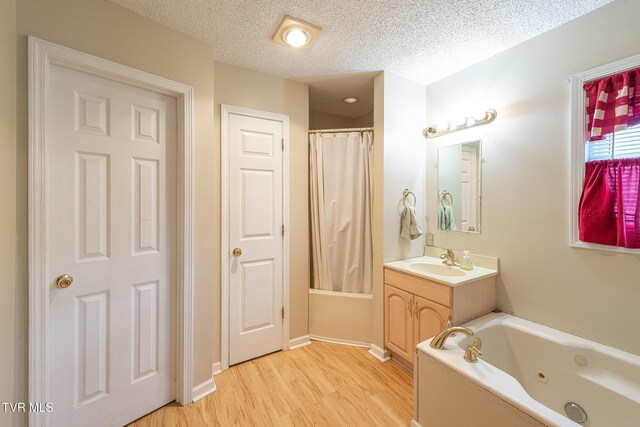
(416, 308)
(430, 319)
(410, 319)
(399, 325)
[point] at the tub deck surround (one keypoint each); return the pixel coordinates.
(538, 370)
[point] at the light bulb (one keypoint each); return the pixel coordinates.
(296, 37)
(458, 121)
(480, 116)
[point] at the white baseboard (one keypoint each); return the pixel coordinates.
(216, 368)
(299, 342)
(203, 390)
(206, 388)
(379, 353)
(414, 423)
(339, 341)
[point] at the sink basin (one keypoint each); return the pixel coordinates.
(439, 269)
(431, 268)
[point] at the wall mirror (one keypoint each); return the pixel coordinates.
(459, 187)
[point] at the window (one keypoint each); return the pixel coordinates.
(608, 165)
(624, 144)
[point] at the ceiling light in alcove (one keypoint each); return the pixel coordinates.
(296, 33)
(350, 100)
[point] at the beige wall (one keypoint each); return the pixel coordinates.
(377, 216)
(105, 29)
(322, 120)
(112, 32)
(364, 121)
(525, 199)
(12, 350)
(399, 151)
(404, 165)
(245, 88)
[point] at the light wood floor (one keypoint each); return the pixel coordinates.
(318, 385)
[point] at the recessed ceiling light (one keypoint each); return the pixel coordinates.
(296, 37)
(350, 100)
(296, 33)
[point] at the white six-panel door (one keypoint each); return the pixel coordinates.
(468, 180)
(255, 233)
(111, 221)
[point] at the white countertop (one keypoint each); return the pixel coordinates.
(405, 266)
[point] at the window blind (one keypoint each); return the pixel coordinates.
(619, 145)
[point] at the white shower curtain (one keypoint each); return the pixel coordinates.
(341, 191)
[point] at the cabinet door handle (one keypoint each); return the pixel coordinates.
(416, 313)
(410, 308)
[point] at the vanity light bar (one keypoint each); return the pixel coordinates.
(469, 122)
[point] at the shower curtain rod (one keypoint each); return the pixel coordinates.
(340, 130)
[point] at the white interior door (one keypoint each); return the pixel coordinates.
(111, 221)
(255, 230)
(468, 177)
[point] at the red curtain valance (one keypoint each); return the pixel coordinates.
(612, 104)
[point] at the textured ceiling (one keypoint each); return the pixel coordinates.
(326, 93)
(421, 40)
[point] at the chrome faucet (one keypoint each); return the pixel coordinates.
(449, 258)
(438, 341)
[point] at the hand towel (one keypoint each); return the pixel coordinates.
(451, 218)
(409, 228)
(446, 220)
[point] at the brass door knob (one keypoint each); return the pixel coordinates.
(64, 281)
(237, 252)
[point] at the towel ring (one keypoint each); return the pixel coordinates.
(405, 195)
(446, 198)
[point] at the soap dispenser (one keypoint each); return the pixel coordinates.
(466, 263)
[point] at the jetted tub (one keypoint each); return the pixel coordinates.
(533, 370)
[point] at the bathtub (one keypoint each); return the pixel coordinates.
(340, 317)
(532, 371)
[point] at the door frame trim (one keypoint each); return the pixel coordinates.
(227, 110)
(42, 55)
